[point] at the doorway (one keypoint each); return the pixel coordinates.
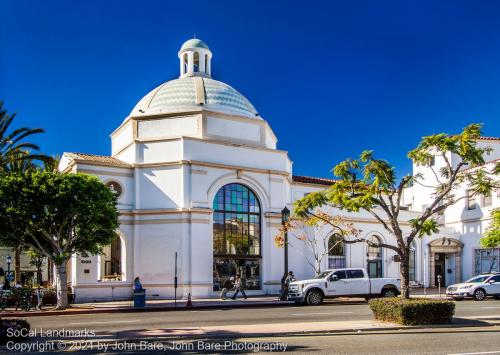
(439, 269)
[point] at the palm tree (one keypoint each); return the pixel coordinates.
(13, 148)
(16, 157)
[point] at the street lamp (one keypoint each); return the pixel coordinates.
(9, 261)
(285, 217)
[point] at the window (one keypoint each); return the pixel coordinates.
(471, 200)
(432, 161)
(111, 261)
(336, 252)
(487, 200)
(413, 265)
(185, 63)
(340, 274)
(486, 260)
(495, 279)
(355, 274)
(196, 62)
(115, 187)
(236, 236)
(206, 63)
(374, 257)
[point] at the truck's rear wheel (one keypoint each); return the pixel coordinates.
(314, 298)
(389, 292)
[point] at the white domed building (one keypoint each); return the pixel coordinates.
(192, 163)
(198, 174)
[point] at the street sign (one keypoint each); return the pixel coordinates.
(9, 276)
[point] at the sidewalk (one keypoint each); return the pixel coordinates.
(433, 292)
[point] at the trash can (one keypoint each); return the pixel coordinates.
(140, 298)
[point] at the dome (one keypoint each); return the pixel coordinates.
(191, 93)
(193, 43)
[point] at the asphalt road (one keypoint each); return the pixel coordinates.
(463, 340)
(109, 322)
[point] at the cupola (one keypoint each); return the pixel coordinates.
(195, 57)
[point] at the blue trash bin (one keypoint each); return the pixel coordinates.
(140, 298)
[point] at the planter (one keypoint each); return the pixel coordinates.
(414, 311)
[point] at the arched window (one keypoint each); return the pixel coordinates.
(111, 261)
(374, 257)
(336, 252)
(196, 62)
(237, 235)
(185, 63)
(206, 63)
(413, 264)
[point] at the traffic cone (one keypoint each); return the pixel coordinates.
(189, 303)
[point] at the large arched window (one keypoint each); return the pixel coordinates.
(374, 257)
(111, 261)
(237, 235)
(413, 264)
(336, 252)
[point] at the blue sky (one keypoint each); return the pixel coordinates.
(331, 77)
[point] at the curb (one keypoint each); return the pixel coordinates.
(182, 307)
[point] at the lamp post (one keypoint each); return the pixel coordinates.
(285, 217)
(9, 261)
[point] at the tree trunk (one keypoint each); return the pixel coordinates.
(405, 275)
(50, 272)
(17, 264)
(39, 276)
(318, 267)
(61, 285)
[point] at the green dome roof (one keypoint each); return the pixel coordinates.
(194, 43)
(180, 95)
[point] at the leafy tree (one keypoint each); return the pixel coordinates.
(13, 147)
(491, 238)
(315, 230)
(371, 184)
(16, 164)
(58, 215)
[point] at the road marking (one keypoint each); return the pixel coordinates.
(481, 352)
(323, 313)
(482, 317)
(107, 322)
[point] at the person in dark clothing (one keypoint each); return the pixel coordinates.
(137, 285)
(6, 285)
(228, 285)
(285, 281)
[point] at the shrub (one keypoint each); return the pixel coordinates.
(412, 311)
(17, 333)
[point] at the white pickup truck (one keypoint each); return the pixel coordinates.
(341, 283)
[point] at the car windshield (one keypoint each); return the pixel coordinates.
(478, 279)
(322, 275)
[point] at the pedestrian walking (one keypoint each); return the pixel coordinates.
(290, 277)
(228, 285)
(238, 287)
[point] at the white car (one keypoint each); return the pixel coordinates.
(479, 287)
(341, 283)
